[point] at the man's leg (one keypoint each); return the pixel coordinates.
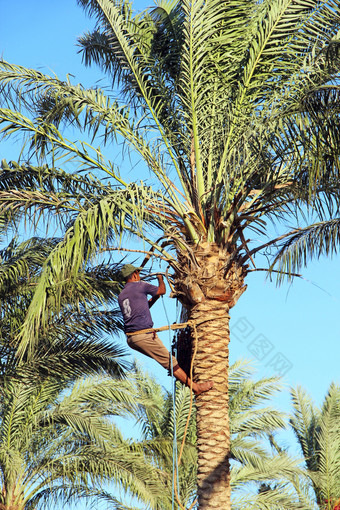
(151, 345)
(197, 388)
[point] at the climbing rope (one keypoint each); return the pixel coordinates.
(174, 441)
(179, 325)
(189, 415)
(177, 458)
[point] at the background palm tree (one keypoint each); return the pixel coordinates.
(233, 107)
(317, 430)
(74, 342)
(58, 444)
(58, 440)
(253, 425)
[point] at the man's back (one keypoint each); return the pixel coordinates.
(134, 305)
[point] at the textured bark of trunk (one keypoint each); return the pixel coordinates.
(12, 506)
(10, 500)
(213, 438)
(210, 283)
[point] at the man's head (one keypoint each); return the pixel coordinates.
(130, 272)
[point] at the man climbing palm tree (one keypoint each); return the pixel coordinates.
(138, 324)
(234, 108)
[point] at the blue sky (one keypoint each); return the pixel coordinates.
(293, 329)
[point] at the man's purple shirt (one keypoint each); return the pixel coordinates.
(134, 305)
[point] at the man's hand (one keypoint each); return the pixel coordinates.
(161, 285)
(160, 292)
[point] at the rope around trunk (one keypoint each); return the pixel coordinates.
(181, 325)
(162, 328)
(188, 420)
(178, 325)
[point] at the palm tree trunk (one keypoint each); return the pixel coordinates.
(209, 284)
(11, 500)
(213, 438)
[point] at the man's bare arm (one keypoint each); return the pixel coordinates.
(160, 291)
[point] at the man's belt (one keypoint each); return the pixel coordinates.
(155, 330)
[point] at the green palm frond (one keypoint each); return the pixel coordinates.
(21, 264)
(272, 498)
(247, 451)
(317, 431)
(261, 152)
(279, 466)
(168, 20)
(91, 230)
(179, 420)
(252, 427)
(247, 393)
(280, 44)
(77, 357)
(73, 344)
(125, 38)
(69, 493)
(90, 109)
(274, 478)
(149, 417)
(50, 179)
(121, 399)
(57, 434)
(128, 470)
(308, 243)
(129, 56)
(327, 446)
(305, 423)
